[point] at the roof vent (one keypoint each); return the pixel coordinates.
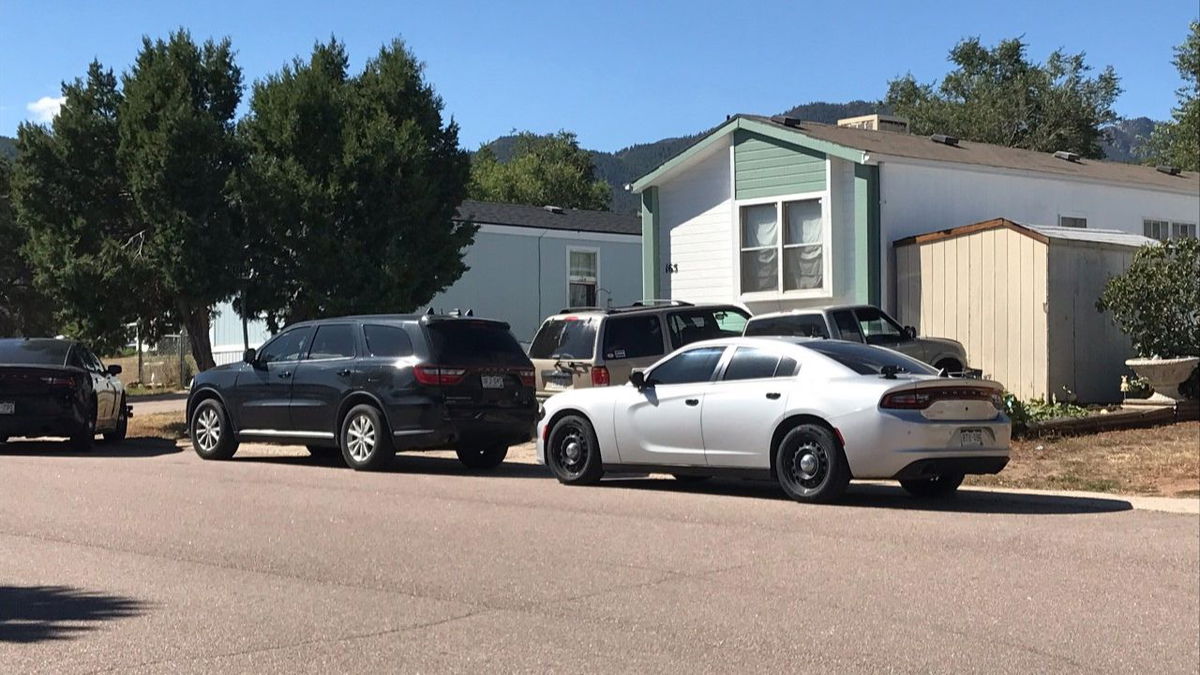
(944, 139)
(1169, 170)
(553, 209)
(1067, 155)
(786, 120)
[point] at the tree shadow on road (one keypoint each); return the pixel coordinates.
(129, 448)
(38, 613)
(409, 463)
(873, 495)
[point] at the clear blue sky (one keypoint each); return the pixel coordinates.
(615, 72)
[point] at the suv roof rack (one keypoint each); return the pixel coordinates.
(655, 302)
(584, 308)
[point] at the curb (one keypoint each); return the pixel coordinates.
(1184, 505)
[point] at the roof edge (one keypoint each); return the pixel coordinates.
(739, 121)
(963, 230)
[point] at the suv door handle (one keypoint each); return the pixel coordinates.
(692, 401)
(772, 395)
(285, 374)
(345, 372)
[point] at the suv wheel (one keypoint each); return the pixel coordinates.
(366, 444)
(573, 453)
(212, 435)
(488, 457)
(810, 465)
(937, 487)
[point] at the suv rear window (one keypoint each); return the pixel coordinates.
(572, 338)
(39, 352)
(474, 343)
(868, 360)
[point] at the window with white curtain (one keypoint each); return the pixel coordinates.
(782, 246)
(582, 277)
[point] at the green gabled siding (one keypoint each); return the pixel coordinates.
(651, 281)
(767, 167)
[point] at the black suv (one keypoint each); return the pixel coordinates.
(371, 385)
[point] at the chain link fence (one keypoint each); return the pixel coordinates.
(164, 366)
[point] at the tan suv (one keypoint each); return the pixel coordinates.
(593, 347)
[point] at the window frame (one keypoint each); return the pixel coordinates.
(718, 368)
(1170, 226)
(823, 198)
(353, 338)
(1073, 216)
(595, 282)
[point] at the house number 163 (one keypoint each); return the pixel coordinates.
(671, 268)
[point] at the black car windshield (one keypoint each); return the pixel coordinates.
(868, 360)
(566, 338)
(475, 343)
(34, 352)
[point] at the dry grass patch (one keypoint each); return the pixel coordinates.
(168, 425)
(1162, 461)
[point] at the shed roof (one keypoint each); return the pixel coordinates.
(1042, 233)
(867, 143)
(548, 218)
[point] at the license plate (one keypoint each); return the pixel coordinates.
(971, 438)
(492, 381)
(7, 407)
(554, 386)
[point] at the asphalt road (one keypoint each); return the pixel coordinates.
(143, 558)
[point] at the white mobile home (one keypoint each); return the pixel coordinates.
(778, 213)
(526, 262)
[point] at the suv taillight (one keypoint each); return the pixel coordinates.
(920, 399)
(526, 376)
(600, 377)
(437, 375)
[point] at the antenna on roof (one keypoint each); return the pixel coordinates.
(1067, 155)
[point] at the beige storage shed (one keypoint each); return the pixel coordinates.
(1022, 300)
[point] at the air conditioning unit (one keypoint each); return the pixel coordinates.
(875, 123)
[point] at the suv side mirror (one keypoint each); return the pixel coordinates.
(910, 333)
(638, 379)
(114, 370)
(249, 355)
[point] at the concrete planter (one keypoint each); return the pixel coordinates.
(1164, 376)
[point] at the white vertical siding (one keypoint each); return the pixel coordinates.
(1002, 324)
(696, 232)
(920, 198)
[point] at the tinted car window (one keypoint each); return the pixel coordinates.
(807, 325)
(287, 347)
(879, 328)
(847, 325)
(696, 365)
(475, 343)
(37, 352)
(751, 363)
(565, 339)
(694, 325)
(633, 337)
(868, 360)
(786, 368)
(387, 341)
(333, 341)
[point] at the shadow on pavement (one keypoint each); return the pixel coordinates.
(409, 463)
(873, 495)
(38, 613)
(130, 447)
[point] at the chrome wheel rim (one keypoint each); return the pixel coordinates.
(208, 429)
(360, 438)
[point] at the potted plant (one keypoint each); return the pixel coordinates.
(1156, 302)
